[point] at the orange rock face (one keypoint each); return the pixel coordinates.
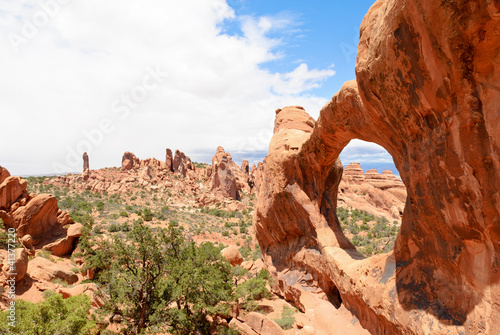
(3, 174)
(427, 90)
(11, 189)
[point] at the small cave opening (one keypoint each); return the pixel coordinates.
(333, 296)
(371, 197)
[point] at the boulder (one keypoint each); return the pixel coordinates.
(43, 269)
(38, 217)
(10, 190)
(232, 254)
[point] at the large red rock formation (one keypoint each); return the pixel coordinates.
(427, 90)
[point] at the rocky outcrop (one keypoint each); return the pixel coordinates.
(169, 160)
(426, 90)
(245, 167)
(38, 217)
(354, 173)
(3, 174)
(85, 161)
(181, 163)
(11, 190)
(223, 178)
(129, 161)
(228, 178)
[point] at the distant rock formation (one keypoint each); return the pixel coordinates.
(181, 163)
(228, 178)
(129, 161)
(245, 167)
(169, 160)
(378, 194)
(427, 90)
(223, 176)
(354, 173)
(85, 161)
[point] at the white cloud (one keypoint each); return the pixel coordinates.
(71, 69)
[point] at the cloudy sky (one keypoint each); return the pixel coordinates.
(120, 75)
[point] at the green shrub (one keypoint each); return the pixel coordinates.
(147, 215)
(114, 227)
(56, 316)
(99, 206)
(3, 236)
(124, 214)
(287, 320)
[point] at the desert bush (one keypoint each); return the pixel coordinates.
(287, 320)
(56, 316)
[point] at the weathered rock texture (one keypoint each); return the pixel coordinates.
(85, 161)
(427, 90)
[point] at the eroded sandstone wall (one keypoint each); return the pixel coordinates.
(427, 89)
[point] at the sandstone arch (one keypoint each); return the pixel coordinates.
(427, 89)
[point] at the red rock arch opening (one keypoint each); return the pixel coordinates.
(370, 204)
(426, 90)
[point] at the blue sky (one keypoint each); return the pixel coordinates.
(325, 33)
(122, 75)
